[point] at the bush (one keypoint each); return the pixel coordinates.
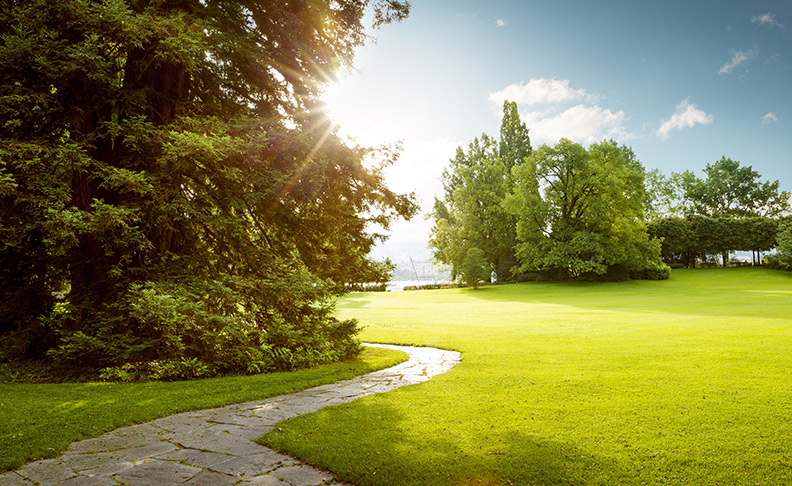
(662, 272)
(779, 261)
(434, 286)
(180, 333)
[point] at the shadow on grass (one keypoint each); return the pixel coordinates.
(356, 301)
(372, 445)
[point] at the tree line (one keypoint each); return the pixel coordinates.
(567, 211)
(170, 190)
(730, 209)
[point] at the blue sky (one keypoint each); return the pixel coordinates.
(683, 83)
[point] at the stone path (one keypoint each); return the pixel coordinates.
(215, 447)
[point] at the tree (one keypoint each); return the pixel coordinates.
(665, 195)
(783, 257)
(167, 164)
(471, 214)
(475, 268)
(758, 235)
(732, 190)
(581, 212)
(679, 244)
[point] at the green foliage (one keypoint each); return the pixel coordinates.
(580, 212)
(693, 238)
(471, 213)
(679, 244)
(733, 190)
(165, 166)
(665, 195)
(475, 269)
(783, 258)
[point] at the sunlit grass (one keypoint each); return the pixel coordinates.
(686, 381)
(40, 420)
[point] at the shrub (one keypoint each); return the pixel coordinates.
(661, 272)
(434, 286)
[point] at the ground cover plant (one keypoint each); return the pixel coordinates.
(685, 381)
(40, 420)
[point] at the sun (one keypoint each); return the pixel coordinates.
(364, 114)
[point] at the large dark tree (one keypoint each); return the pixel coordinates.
(165, 165)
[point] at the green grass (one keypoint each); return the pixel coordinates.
(684, 381)
(41, 420)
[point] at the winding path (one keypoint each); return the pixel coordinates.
(215, 447)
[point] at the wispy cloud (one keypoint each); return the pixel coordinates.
(739, 57)
(769, 118)
(766, 19)
(687, 115)
(538, 91)
(500, 22)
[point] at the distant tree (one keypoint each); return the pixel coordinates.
(730, 189)
(757, 235)
(679, 244)
(716, 235)
(581, 212)
(475, 269)
(783, 257)
(665, 194)
(166, 165)
(471, 214)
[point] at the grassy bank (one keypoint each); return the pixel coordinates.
(685, 381)
(39, 421)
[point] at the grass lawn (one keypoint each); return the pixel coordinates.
(684, 381)
(38, 421)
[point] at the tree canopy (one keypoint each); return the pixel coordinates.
(166, 168)
(730, 189)
(581, 212)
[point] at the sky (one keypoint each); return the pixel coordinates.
(681, 82)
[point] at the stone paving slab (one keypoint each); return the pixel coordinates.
(215, 447)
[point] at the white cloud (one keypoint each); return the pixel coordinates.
(546, 110)
(766, 19)
(500, 22)
(769, 118)
(580, 123)
(538, 91)
(686, 116)
(739, 57)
